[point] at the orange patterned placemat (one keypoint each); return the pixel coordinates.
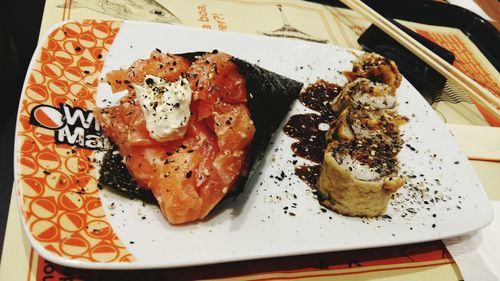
(431, 258)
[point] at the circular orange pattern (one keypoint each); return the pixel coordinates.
(45, 56)
(63, 57)
(28, 145)
(99, 229)
(73, 74)
(57, 86)
(28, 166)
(32, 187)
(48, 160)
(44, 207)
(104, 253)
(74, 246)
(57, 185)
(45, 230)
(71, 221)
(72, 29)
(93, 207)
(52, 70)
(87, 40)
(79, 91)
(87, 184)
(36, 92)
(43, 136)
(37, 77)
(58, 181)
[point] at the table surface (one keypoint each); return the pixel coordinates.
(24, 32)
(492, 9)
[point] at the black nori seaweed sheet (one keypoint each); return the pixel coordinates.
(270, 96)
(114, 174)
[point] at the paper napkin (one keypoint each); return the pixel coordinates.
(477, 142)
(478, 254)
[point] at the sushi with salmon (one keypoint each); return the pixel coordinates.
(191, 128)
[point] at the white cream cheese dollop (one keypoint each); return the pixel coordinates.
(165, 106)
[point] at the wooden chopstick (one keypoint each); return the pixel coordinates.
(477, 93)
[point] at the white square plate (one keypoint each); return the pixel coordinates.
(123, 233)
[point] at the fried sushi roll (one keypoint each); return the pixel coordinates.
(375, 68)
(365, 93)
(360, 169)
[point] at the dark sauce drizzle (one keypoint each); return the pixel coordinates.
(307, 129)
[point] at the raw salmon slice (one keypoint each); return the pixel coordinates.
(187, 176)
